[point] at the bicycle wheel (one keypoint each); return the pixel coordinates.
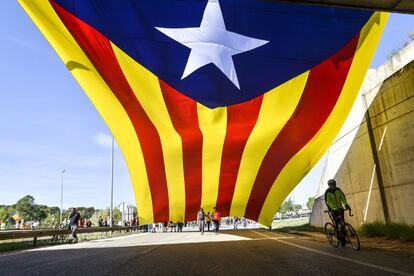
(330, 232)
(352, 237)
(55, 238)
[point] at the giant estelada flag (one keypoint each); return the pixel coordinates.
(224, 103)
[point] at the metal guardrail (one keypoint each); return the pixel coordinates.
(24, 234)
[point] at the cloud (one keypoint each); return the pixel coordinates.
(26, 44)
(103, 140)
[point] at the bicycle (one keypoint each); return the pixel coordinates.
(64, 238)
(342, 232)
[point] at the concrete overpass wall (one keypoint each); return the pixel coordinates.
(372, 83)
(392, 120)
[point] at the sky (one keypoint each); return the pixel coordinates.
(47, 124)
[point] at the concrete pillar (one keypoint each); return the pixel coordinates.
(378, 171)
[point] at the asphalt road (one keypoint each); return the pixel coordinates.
(242, 252)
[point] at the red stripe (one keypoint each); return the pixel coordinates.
(183, 114)
(241, 119)
(99, 51)
(320, 95)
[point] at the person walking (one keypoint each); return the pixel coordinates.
(244, 222)
(74, 217)
(208, 220)
(236, 222)
(201, 220)
(180, 225)
(216, 219)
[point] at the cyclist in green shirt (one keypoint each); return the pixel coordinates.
(336, 202)
(334, 197)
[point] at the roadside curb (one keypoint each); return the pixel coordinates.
(394, 246)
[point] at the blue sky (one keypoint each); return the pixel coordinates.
(48, 124)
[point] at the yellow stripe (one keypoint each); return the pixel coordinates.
(148, 92)
(213, 124)
(101, 96)
(306, 158)
(277, 107)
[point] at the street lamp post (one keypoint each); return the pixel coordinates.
(112, 184)
(61, 196)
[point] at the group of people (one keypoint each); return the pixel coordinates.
(173, 227)
(204, 219)
(84, 223)
(104, 222)
(236, 221)
(23, 225)
(334, 198)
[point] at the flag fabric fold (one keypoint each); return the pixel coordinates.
(214, 103)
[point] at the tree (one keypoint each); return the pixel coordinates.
(5, 212)
(54, 210)
(26, 207)
(89, 212)
(95, 217)
(52, 219)
(29, 210)
(286, 207)
(104, 214)
(86, 213)
(311, 201)
(40, 212)
(66, 213)
(117, 215)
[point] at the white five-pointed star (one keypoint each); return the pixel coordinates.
(212, 43)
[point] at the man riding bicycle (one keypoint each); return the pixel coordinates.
(336, 201)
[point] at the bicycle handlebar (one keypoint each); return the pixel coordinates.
(349, 209)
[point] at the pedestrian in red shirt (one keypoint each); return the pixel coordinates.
(216, 219)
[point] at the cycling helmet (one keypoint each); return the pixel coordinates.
(331, 182)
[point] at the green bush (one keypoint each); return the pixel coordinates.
(301, 228)
(394, 231)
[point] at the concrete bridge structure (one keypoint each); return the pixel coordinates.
(372, 158)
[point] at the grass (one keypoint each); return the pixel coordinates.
(299, 224)
(277, 224)
(20, 244)
(393, 231)
(301, 228)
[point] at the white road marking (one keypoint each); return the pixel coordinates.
(391, 270)
(275, 238)
(148, 250)
(14, 253)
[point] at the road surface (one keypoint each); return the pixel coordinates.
(241, 252)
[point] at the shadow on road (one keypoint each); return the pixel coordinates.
(243, 252)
